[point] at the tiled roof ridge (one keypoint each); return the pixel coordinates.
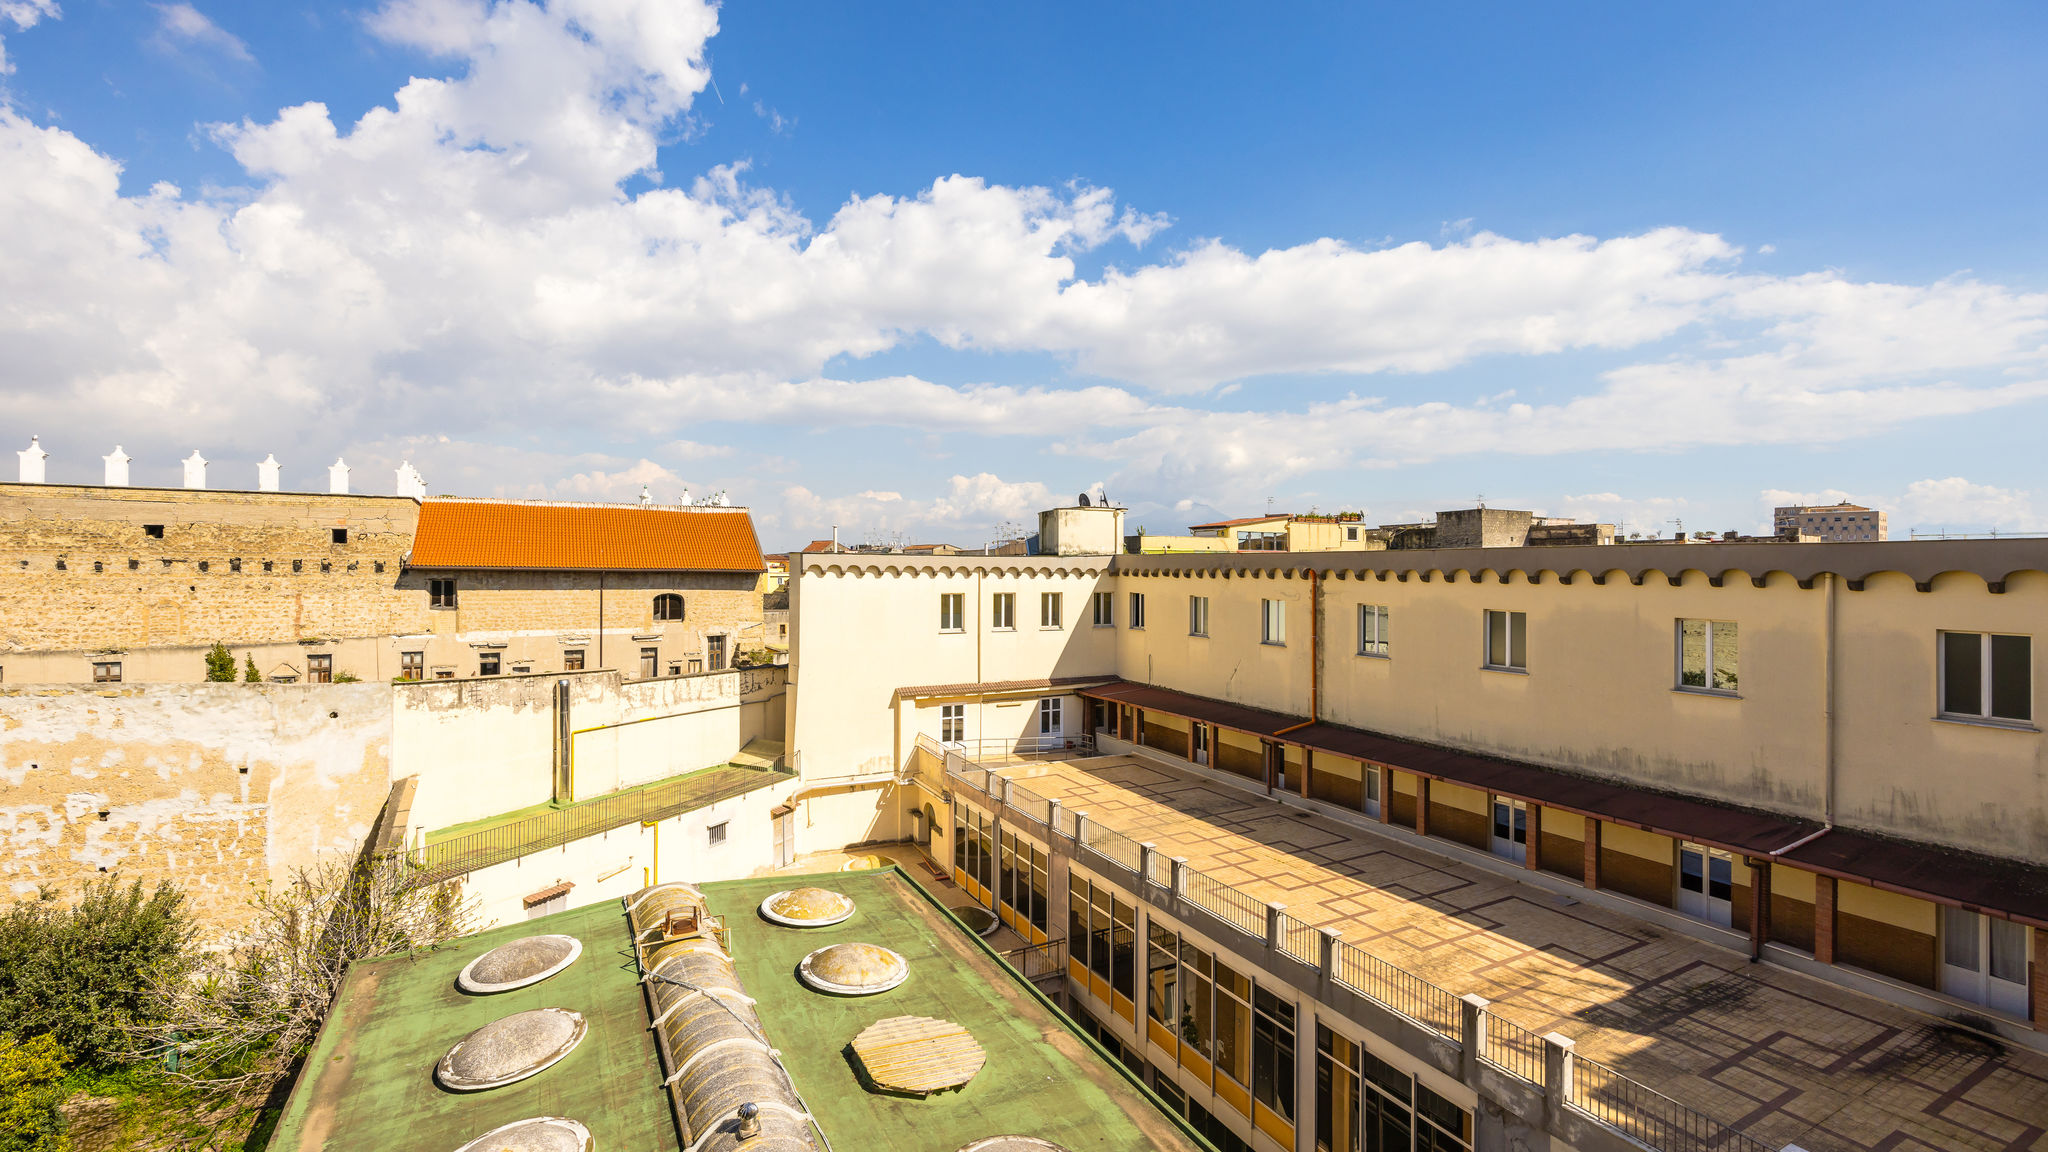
(587, 504)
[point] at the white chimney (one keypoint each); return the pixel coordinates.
(646, 497)
(410, 482)
(337, 477)
(684, 499)
(117, 468)
(266, 473)
(32, 458)
(195, 470)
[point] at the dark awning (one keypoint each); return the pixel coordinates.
(1256, 721)
(1980, 883)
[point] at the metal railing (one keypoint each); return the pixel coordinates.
(1004, 750)
(1035, 961)
(1647, 1116)
(509, 841)
(1513, 1049)
(1643, 1114)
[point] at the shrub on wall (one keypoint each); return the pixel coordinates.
(249, 673)
(29, 1095)
(220, 664)
(85, 974)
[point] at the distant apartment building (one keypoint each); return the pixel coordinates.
(1830, 522)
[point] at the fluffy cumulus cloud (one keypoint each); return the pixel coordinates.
(496, 251)
(1954, 504)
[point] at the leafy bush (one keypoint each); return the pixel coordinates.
(220, 664)
(87, 975)
(347, 678)
(249, 673)
(29, 1095)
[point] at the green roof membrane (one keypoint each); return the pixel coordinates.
(369, 1082)
(1041, 1078)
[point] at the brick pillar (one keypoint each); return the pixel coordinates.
(1421, 805)
(1386, 795)
(1592, 877)
(1532, 859)
(2039, 983)
(1307, 766)
(1824, 919)
(1759, 906)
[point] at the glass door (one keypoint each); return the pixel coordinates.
(1200, 743)
(1511, 829)
(1706, 884)
(1984, 960)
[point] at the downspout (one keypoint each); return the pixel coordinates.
(600, 619)
(1827, 728)
(1315, 672)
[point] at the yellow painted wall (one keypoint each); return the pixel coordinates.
(1636, 842)
(1454, 796)
(1886, 907)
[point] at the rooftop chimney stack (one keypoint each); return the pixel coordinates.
(266, 474)
(32, 458)
(410, 482)
(195, 470)
(337, 478)
(117, 467)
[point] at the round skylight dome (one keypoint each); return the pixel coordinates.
(979, 921)
(1012, 1144)
(540, 1134)
(510, 1049)
(854, 969)
(807, 907)
(528, 960)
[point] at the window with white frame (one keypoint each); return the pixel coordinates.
(1049, 716)
(1272, 622)
(1707, 652)
(1003, 611)
(1372, 630)
(1987, 676)
(1137, 609)
(952, 723)
(1105, 609)
(1507, 641)
(952, 611)
(1049, 609)
(1198, 615)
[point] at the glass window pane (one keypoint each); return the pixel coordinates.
(1497, 639)
(1692, 653)
(1959, 938)
(1518, 639)
(1720, 878)
(1689, 872)
(2012, 677)
(1726, 649)
(2009, 951)
(1962, 673)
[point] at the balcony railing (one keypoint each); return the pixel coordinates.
(1590, 1088)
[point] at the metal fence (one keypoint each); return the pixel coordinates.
(552, 829)
(1038, 960)
(1513, 1049)
(1643, 1114)
(1647, 1116)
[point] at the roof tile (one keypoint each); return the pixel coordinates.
(577, 537)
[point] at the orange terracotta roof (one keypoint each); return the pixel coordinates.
(584, 537)
(1240, 520)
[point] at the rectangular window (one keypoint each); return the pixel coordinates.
(1233, 1025)
(320, 669)
(1137, 609)
(952, 611)
(1707, 652)
(1003, 611)
(714, 651)
(339, 535)
(441, 593)
(1049, 723)
(106, 672)
(153, 531)
(572, 660)
(1098, 931)
(1162, 969)
(412, 665)
(952, 723)
(1507, 637)
(1105, 609)
(650, 663)
(1049, 609)
(487, 664)
(1336, 1092)
(1987, 675)
(1123, 950)
(716, 833)
(1197, 1010)
(1273, 1053)
(1198, 615)
(1039, 914)
(1372, 630)
(1272, 622)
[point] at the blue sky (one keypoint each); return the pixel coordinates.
(917, 269)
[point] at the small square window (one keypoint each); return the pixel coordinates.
(487, 664)
(106, 672)
(379, 567)
(234, 565)
(267, 565)
(572, 660)
(340, 535)
(134, 564)
(298, 565)
(153, 531)
(716, 833)
(441, 593)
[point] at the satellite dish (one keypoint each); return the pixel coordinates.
(1084, 500)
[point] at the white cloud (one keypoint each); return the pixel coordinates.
(967, 514)
(23, 14)
(1955, 504)
(180, 26)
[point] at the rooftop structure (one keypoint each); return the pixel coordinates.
(1830, 522)
(487, 534)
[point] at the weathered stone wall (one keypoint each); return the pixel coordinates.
(217, 787)
(81, 573)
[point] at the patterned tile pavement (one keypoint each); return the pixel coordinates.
(1785, 1057)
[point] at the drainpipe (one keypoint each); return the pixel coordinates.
(1827, 728)
(600, 619)
(1315, 680)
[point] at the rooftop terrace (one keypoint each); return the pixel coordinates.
(1784, 1057)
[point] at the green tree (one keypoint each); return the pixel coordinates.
(249, 673)
(89, 975)
(220, 664)
(29, 1095)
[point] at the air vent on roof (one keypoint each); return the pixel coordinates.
(853, 969)
(806, 908)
